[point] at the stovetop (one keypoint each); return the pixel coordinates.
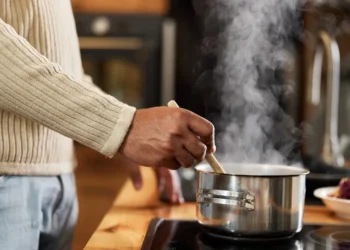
(187, 234)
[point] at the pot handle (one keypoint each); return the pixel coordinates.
(241, 198)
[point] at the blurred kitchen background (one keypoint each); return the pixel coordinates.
(147, 52)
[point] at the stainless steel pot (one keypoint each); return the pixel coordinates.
(258, 200)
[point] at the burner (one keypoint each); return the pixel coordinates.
(330, 236)
(340, 240)
(234, 236)
(250, 240)
(218, 242)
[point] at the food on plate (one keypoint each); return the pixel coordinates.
(343, 189)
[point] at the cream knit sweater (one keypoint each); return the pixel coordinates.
(45, 103)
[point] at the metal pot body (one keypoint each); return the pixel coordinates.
(260, 200)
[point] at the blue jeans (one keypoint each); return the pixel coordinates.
(37, 212)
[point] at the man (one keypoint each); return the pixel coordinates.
(45, 104)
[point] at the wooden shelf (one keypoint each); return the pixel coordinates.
(121, 6)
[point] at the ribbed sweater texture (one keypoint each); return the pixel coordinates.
(46, 101)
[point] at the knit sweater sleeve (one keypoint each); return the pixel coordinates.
(35, 88)
(88, 79)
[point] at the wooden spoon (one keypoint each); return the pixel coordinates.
(213, 162)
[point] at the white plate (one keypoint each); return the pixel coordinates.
(341, 207)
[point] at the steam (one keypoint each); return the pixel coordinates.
(251, 39)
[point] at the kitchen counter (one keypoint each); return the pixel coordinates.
(125, 228)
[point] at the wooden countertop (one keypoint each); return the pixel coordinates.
(125, 228)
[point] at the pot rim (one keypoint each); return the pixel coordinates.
(299, 171)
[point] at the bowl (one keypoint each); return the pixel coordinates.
(341, 207)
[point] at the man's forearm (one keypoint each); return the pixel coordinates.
(39, 90)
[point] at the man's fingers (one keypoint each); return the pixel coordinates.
(180, 198)
(204, 129)
(160, 180)
(174, 187)
(213, 150)
(195, 146)
(164, 181)
(177, 187)
(169, 186)
(185, 158)
(135, 176)
(171, 164)
(172, 184)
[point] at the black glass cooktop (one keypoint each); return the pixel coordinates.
(184, 235)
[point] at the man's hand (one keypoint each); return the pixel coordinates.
(167, 180)
(169, 137)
